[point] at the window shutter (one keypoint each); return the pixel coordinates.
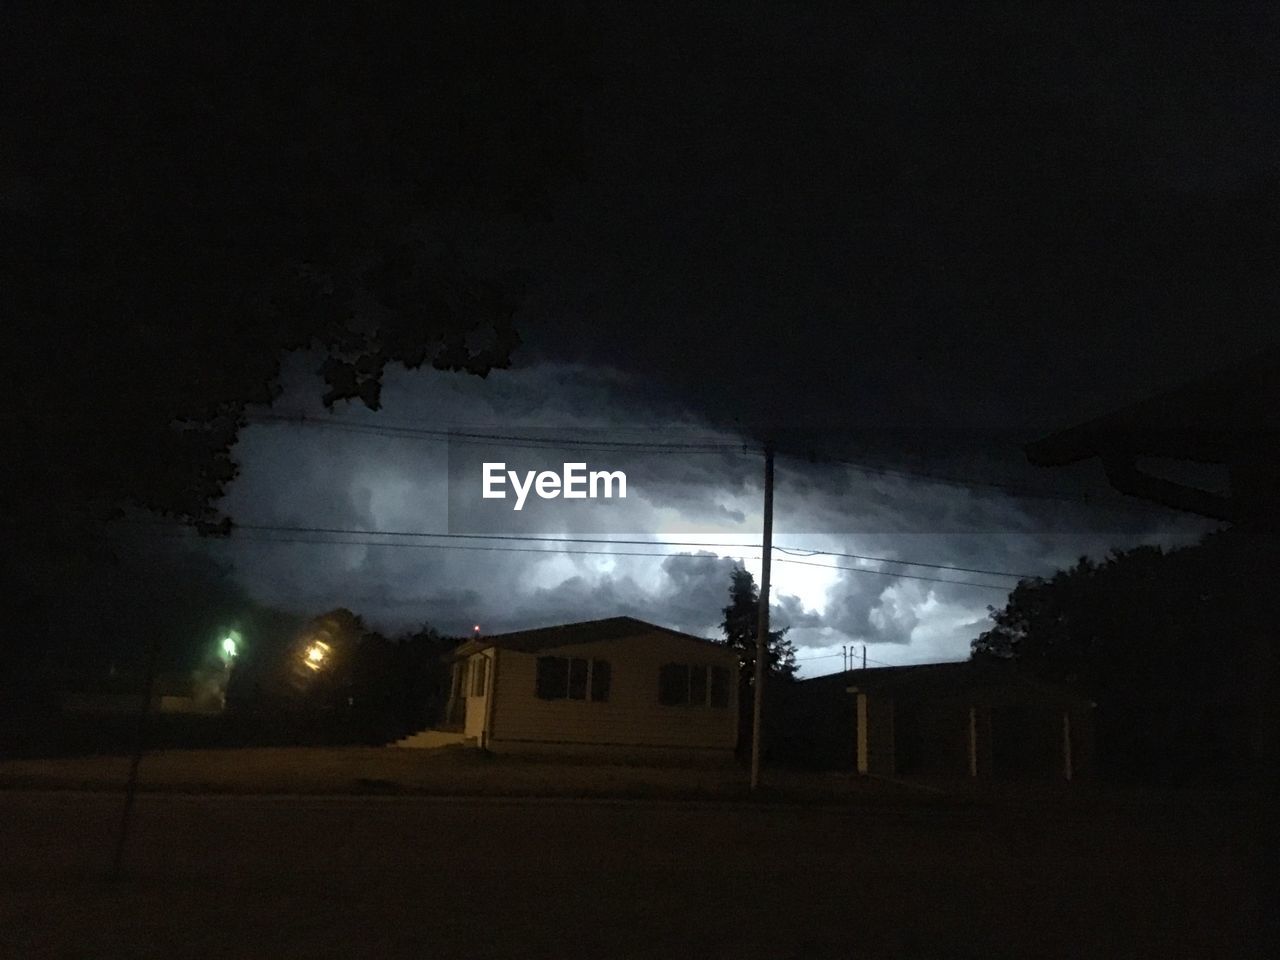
(600, 680)
(720, 687)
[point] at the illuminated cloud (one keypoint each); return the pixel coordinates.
(324, 479)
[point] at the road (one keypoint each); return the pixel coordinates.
(223, 876)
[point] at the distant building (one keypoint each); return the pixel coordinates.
(170, 693)
(618, 685)
(942, 720)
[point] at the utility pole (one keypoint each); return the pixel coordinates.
(131, 786)
(864, 656)
(762, 629)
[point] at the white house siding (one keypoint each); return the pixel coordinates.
(478, 704)
(633, 715)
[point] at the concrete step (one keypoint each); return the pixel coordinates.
(430, 739)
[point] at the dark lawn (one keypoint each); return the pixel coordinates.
(243, 876)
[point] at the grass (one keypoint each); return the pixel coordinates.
(465, 772)
(297, 876)
(441, 772)
(229, 856)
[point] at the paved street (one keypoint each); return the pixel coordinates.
(399, 876)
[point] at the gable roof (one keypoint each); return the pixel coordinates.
(569, 634)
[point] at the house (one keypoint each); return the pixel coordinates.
(1229, 418)
(618, 685)
(197, 694)
(967, 719)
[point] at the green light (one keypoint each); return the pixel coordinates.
(229, 646)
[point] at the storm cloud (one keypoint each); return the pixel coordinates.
(900, 254)
(688, 519)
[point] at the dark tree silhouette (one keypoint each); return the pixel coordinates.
(98, 621)
(1175, 647)
(322, 661)
(741, 618)
(400, 685)
(190, 194)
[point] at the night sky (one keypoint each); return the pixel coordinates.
(893, 237)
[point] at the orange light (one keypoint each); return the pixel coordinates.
(314, 656)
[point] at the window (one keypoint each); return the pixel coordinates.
(570, 678)
(600, 676)
(673, 684)
(553, 678)
(696, 685)
(720, 687)
(479, 674)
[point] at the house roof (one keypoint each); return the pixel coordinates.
(943, 679)
(569, 634)
(1225, 417)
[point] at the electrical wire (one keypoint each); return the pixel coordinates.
(908, 563)
(707, 446)
(742, 447)
(610, 541)
(366, 541)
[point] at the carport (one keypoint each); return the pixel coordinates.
(967, 719)
(936, 720)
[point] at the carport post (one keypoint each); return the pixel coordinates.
(864, 759)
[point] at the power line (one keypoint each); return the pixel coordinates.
(513, 440)
(1004, 588)
(349, 534)
(967, 483)
(706, 446)
(527, 538)
(883, 663)
(795, 551)
(908, 563)
(483, 430)
(462, 546)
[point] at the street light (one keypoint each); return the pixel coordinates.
(229, 647)
(316, 654)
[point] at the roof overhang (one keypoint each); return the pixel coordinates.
(1227, 417)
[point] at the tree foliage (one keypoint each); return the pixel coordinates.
(189, 193)
(1176, 647)
(94, 633)
(383, 688)
(740, 625)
